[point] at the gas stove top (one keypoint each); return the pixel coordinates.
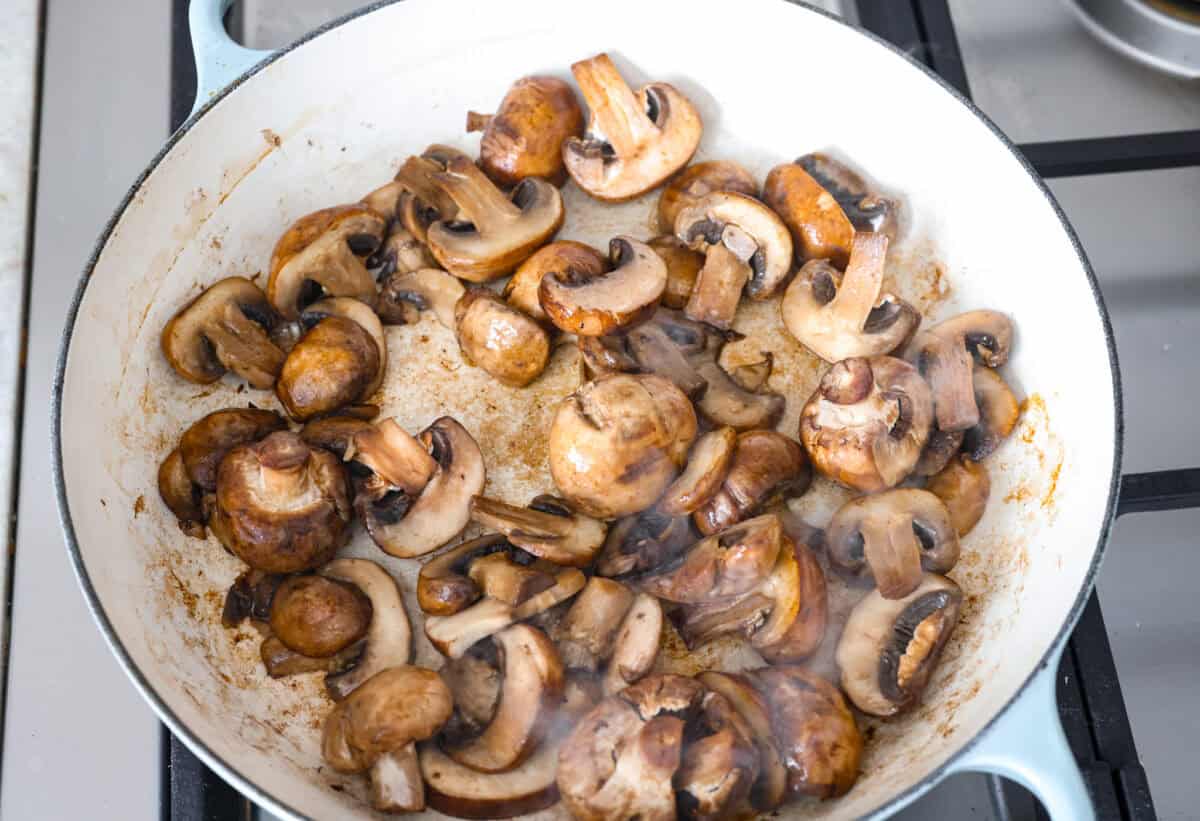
(79, 742)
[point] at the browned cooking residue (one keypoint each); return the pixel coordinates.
(181, 593)
(271, 137)
(1048, 498)
(139, 506)
(1018, 494)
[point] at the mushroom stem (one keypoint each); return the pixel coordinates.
(718, 287)
(479, 200)
(895, 558)
(615, 109)
(417, 175)
(283, 461)
(241, 340)
(949, 377)
(396, 784)
(863, 279)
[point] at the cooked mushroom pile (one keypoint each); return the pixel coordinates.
(669, 512)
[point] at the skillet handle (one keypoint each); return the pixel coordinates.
(219, 60)
(1027, 745)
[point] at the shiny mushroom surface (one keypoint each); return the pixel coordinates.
(697, 181)
(571, 261)
(502, 340)
(334, 364)
(524, 138)
(546, 528)
(946, 355)
(963, 486)
(619, 298)
(423, 202)
(765, 467)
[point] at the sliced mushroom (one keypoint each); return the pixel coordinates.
(944, 355)
(203, 445)
(824, 204)
(696, 182)
(426, 289)
(250, 597)
(385, 201)
(281, 661)
(493, 232)
(448, 583)
(648, 348)
(397, 461)
(867, 423)
(644, 541)
(939, 450)
(892, 537)
(532, 688)
(334, 364)
(770, 789)
(323, 253)
(683, 267)
(889, 647)
(366, 318)
(837, 316)
(389, 636)
(334, 433)
(524, 138)
(225, 328)
(787, 638)
(766, 466)
(634, 140)
(593, 305)
(618, 442)
(636, 645)
(474, 680)
(587, 631)
(620, 760)
(281, 506)
(376, 728)
(406, 527)
(459, 791)
(726, 564)
(570, 260)
(725, 402)
(424, 201)
(318, 617)
(719, 764)
(547, 528)
(500, 577)
(815, 729)
(500, 339)
(707, 465)
(963, 486)
(401, 253)
(998, 412)
(182, 496)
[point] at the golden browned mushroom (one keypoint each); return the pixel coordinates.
(998, 412)
(225, 328)
(889, 647)
(635, 139)
(963, 486)
(333, 365)
(203, 445)
(401, 253)
(334, 433)
(719, 765)
(605, 303)
(366, 318)
(837, 315)
(524, 138)
(867, 423)
(450, 582)
(683, 266)
(946, 355)
(376, 729)
(635, 648)
(500, 339)
(323, 253)
(766, 467)
(770, 789)
(424, 202)
(494, 232)
(779, 641)
(566, 258)
(457, 790)
(707, 465)
(426, 289)
(695, 182)
(891, 538)
(281, 506)
(745, 247)
(181, 495)
(316, 616)
(824, 204)
(618, 442)
(547, 528)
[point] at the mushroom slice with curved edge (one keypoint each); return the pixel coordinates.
(332, 365)
(225, 328)
(998, 412)
(766, 466)
(204, 444)
(334, 433)
(867, 423)
(366, 318)
(524, 138)
(770, 788)
(944, 355)
(892, 537)
(655, 346)
(642, 542)
(939, 450)
(250, 597)
(634, 140)
(726, 564)
(281, 661)
(571, 260)
(424, 289)
(695, 182)
(389, 636)
(401, 253)
(683, 266)
(376, 728)
(720, 762)
(824, 205)
(500, 339)
(442, 509)
(317, 616)
(493, 232)
(725, 402)
(397, 461)
(474, 680)
(324, 252)
(532, 688)
(620, 759)
(815, 729)
(707, 465)
(423, 202)
(593, 305)
(963, 486)
(636, 645)
(385, 201)
(281, 506)
(587, 631)
(461, 792)
(547, 528)
(779, 641)
(618, 441)
(889, 647)
(837, 316)
(450, 581)
(181, 495)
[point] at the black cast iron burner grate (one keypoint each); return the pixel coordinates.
(1089, 693)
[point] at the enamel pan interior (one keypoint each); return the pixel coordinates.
(328, 121)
